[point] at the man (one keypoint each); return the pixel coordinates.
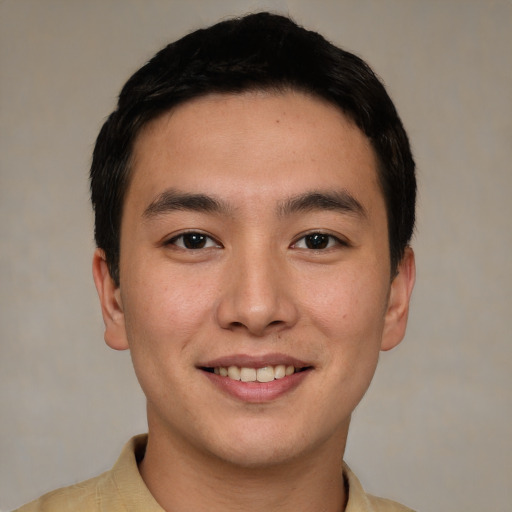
(254, 201)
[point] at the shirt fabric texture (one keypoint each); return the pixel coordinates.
(122, 490)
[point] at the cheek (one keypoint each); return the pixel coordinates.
(164, 309)
(347, 305)
(163, 317)
(348, 311)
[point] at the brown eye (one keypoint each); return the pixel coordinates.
(317, 242)
(194, 241)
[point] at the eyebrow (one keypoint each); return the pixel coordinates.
(172, 200)
(341, 201)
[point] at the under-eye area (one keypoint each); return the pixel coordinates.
(264, 374)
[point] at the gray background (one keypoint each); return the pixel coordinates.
(434, 429)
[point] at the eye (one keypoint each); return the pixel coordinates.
(317, 241)
(193, 241)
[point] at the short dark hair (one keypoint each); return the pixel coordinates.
(260, 51)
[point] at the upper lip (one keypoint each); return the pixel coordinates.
(249, 361)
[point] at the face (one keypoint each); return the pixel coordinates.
(255, 291)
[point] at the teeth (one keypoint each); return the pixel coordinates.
(247, 374)
(280, 371)
(234, 372)
(265, 374)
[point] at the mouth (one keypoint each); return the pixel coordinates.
(263, 374)
(256, 379)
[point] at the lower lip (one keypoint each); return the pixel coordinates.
(257, 392)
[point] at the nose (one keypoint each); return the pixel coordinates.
(258, 294)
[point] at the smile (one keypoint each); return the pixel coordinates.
(256, 379)
(264, 374)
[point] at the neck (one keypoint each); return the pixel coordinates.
(182, 481)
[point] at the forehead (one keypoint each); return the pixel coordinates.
(277, 142)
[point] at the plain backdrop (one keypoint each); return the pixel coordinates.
(434, 430)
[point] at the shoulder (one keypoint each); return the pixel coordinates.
(359, 501)
(81, 496)
(116, 490)
(384, 505)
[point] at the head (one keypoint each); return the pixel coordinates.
(254, 196)
(260, 52)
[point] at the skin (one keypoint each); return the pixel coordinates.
(254, 290)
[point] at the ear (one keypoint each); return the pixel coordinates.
(400, 293)
(110, 300)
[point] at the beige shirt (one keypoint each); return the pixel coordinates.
(122, 490)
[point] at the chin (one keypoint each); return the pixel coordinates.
(260, 456)
(263, 446)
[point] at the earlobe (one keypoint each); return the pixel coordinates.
(111, 304)
(398, 304)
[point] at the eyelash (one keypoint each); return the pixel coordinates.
(332, 241)
(210, 242)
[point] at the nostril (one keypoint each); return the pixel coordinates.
(253, 327)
